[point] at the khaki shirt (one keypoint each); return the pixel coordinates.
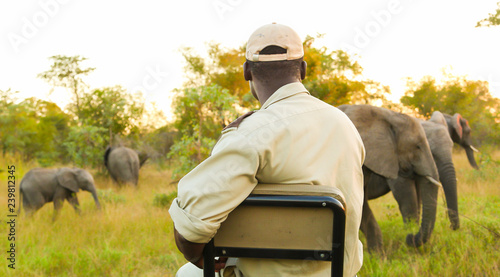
(294, 138)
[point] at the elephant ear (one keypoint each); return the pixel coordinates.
(438, 117)
(378, 137)
(67, 178)
(455, 124)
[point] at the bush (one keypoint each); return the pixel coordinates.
(109, 196)
(163, 200)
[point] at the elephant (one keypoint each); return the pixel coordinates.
(396, 146)
(460, 130)
(441, 145)
(123, 164)
(43, 185)
(440, 130)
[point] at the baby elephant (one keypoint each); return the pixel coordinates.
(43, 185)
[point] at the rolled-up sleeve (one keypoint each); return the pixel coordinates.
(208, 193)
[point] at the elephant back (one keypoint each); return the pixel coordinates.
(378, 137)
(123, 165)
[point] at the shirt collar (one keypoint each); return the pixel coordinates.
(284, 92)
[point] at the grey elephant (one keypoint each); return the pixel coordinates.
(404, 189)
(439, 130)
(123, 165)
(43, 185)
(460, 133)
(396, 146)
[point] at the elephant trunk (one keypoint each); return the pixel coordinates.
(449, 181)
(470, 156)
(94, 194)
(428, 194)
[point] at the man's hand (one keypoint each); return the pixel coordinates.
(193, 252)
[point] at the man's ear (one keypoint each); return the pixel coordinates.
(246, 72)
(303, 70)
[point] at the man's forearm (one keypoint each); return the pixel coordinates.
(193, 252)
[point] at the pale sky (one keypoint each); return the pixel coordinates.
(136, 43)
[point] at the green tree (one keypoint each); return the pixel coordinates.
(50, 129)
(457, 94)
(15, 124)
(85, 145)
(67, 72)
(112, 109)
(222, 67)
(32, 128)
(493, 19)
(200, 114)
(332, 76)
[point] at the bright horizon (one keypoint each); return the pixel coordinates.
(137, 45)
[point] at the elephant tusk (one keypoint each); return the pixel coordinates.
(474, 149)
(432, 180)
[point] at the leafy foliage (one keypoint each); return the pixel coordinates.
(86, 145)
(470, 98)
(111, 108)
(223, 67)
(332, 76)
(66, 71)
(200, 114)
(33, 128)
(493, 19)
(163, 200)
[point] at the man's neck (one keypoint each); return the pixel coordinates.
(265, 90)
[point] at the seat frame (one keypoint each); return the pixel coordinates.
(335, 256)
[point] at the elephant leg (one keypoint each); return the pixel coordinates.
(370, 228)
(405, 193)
(32, 203)
(73, 201)
(58, 203)
(59, 196)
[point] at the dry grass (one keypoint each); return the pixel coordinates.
(133, 237)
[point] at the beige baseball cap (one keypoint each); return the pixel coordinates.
(278, 35)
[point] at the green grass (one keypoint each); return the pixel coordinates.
(472, 250)
(132, 234)
(128, 237)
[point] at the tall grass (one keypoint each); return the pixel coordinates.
(132, 234)
(128, 237)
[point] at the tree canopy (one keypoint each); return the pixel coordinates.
(214, 94)
(95, 118)
(457, 94)
(201, 113)
(67, 72)
(493, 19)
